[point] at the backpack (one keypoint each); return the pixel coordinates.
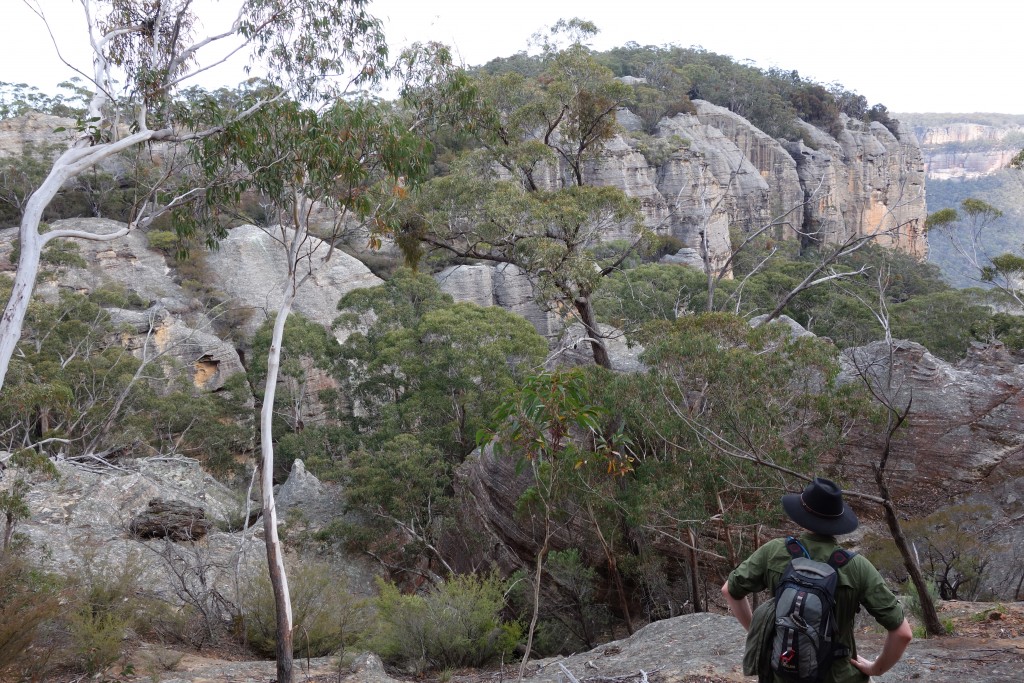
(804, 643)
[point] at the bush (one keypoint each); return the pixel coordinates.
(163, 240)
(571, 616)
(912, 601)
(106, 605)
(28, 599)
(325, 615)
(453, 625)
(116, 295)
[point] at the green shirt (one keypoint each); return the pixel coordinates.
(859, 584)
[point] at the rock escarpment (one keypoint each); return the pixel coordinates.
(699, 175)
(955, 147)
(246, 274)
(713, 169)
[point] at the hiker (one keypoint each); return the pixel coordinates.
(820, 510)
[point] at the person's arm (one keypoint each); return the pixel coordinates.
(896, 642)
(739, 608)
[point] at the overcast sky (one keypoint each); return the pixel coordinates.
(911, 55)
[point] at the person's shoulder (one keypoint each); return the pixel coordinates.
(776, 546)
(861, 566)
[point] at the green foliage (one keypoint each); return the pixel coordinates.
(404, 479)
(431, 367)
(427, 373)
(730, 388)
(658, 150)
(116, 295)
(73, 380)
(572, 616)
(915, 294)
(629, 298)
(163, 240)
(950, 232)
(455, 624)
(326, 616)
(769, 98)
(107, 604)
(323, 449)
(912, 602)
(954, 553)
(946, 322)
(17, 99)
(28, 599)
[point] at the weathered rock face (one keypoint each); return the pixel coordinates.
(106, 515)
(502, 285)
(772, 161)
(172, 325)
(866, 182)
(721, 171)
(963, 443)
(965, 150)
(85, 517)
(259, 285)
(33, 130)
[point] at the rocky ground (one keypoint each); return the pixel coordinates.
(987, 646)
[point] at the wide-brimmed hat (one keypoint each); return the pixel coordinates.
(820, 509)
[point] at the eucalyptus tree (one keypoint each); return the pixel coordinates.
(142, 53)
(524, 197)
(352, 159)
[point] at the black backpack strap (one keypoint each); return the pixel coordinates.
(840, 558)
(796, 548)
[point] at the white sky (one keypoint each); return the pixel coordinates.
(911, 55)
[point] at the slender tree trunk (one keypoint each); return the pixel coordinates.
(275, 555)
(613, 569)
(589, 320)
(924, 598)
(694, 573)
(31, 245)
(72, 162)
(538, 575)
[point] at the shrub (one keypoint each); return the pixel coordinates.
(163, 240)
(28, 599)
(456, 624)
(116, 295)
(106, 604)
(571, 616)
(911, 600)
(326, 616)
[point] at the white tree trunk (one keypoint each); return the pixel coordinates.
(275, 555)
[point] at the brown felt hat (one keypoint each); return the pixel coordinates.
(820, 509)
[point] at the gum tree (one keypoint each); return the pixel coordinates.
(524, 197)
(352, 159)
(142, 54)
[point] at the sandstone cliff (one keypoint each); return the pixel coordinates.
(701, 174)
(966, 146)
(721, 171)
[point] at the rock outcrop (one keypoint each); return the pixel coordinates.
(963, 443)
(719, 171)
(259, 285)
(171, 519)
(866, 182)
(501, 284)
